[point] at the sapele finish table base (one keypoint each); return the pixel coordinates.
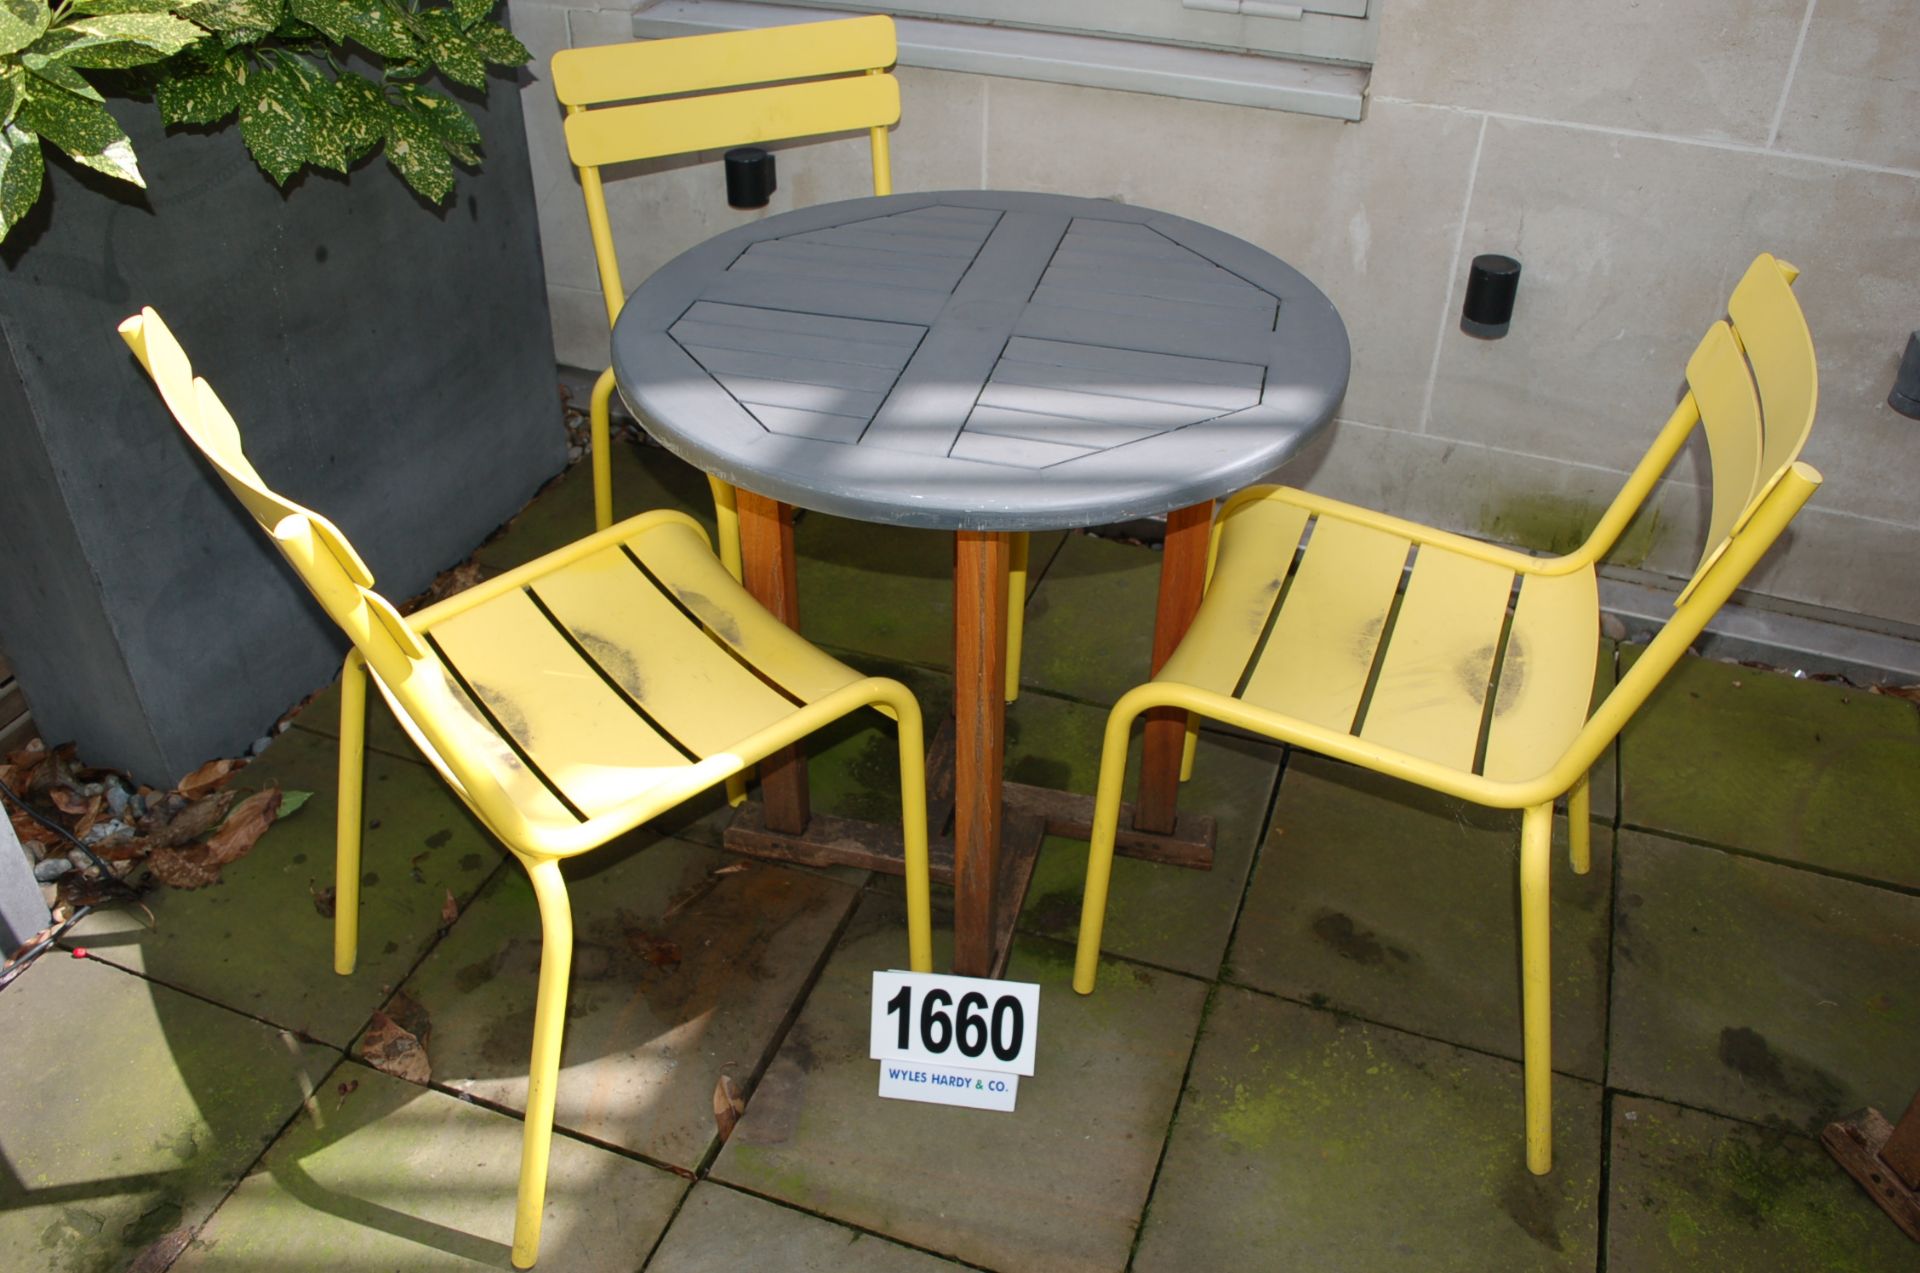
(1030, 814)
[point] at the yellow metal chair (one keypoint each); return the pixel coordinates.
(565, 702)
(656, 98)
(1467, 667)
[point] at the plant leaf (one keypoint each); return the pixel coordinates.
(81, 128)
(457, 56)
(468, 12)
(498, 45)
(368, 23)
(117, 40)
(21, 23)
(240, 21)
(21, 166)
(275, 122)
(208, 86)
(325, 148)
(362, 114)
(417, 155)
(443, 116)
(11, 91)
(65, 76)
(124, 6)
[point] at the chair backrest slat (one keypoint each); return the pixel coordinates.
(608, 73)
(1770, 327)
(1730, 413)
(648, 130)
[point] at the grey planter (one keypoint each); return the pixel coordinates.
(390, 364)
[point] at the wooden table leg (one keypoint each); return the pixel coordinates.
(980, 562)
(1183, 576)
(766, 553)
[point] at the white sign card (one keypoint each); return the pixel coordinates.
(953, 1040)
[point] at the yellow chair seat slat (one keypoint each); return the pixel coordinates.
(478, 743)
(1249, 571)
(1320, 653)
(1546, 675)
(663, 68)
(576, 729)
(692, 688)
(645, 130)
(679, 557)
(1431, 695)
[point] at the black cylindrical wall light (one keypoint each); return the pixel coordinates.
(1491, 285)
(750, 179)
(1905, 397)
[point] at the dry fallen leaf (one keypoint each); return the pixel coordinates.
(68, 801)
(184, 868)
(657, 951)
(89, 816)
(727, 1106)
(244, 827)
(345, 1090)
(388, 1048)
(449, 911)
(322, 899)
(207, 777)
(190, 822)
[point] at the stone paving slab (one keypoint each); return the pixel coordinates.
(1376, 898)
(1057, 1186)
(394, 1176)
(257, 942)
(131, 1109)
(1761, 991)
(1310, 1141)
(721, 1230)
(1785, 768)
(1090, 623)
(1167, 916)
(1688, 1190)
(681, 974)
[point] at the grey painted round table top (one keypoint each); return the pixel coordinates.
(981, 360)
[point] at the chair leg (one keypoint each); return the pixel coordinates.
(600, 425)
(1536, 978)
(913, 831)
(1580, 825)
(346, 851)
(1021, 544)
(1106, 825)
(543, 1074)
(726, 516)
(1189, 748)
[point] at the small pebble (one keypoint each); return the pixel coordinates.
(260, 745)
(1611, 627)
(51, 869)
(118, 798)
(105, 830)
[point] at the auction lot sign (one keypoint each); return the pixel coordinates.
(953, 1040)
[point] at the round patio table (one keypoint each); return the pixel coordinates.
(985, 362)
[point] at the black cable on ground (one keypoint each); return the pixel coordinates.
(19, 962)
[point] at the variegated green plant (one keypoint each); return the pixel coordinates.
(273, 63)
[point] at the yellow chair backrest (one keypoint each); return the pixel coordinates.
(1753, 386)
(649, 99)
(443, 718)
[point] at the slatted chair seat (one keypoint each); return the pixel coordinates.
(566, 702)
(1466, 667)
(1394, 634)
